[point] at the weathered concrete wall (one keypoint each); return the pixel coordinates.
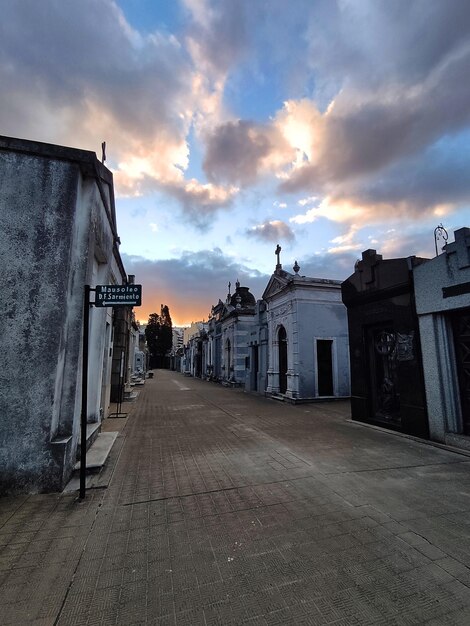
(442, 288)
(236, 329)
(57, 233)
(38, 237)
(320, 321)
(100, 253)
(256, 379)
(450, 269)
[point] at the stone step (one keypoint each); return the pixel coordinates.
(92, 432)
(98, 452)
(130, 396)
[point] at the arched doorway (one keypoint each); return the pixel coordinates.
(282, 339)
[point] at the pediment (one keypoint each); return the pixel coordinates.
(275, 285)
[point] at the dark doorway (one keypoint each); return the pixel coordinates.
(384, 385)
(282, 338)
(198, 368)
(325, 367)
(228, 359)
(461, 328)
(255, 368)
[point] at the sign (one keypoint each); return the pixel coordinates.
(455, 290)
(118, 295)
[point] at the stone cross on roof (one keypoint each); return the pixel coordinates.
(277, 252)
(370, 258)
(461, 246)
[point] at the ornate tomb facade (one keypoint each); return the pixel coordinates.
(307, 335)
(387, 384)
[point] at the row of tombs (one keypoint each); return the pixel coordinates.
(394, 336)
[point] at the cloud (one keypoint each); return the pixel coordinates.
(201, 201)
(372, 43)
(363, 133)
(240, 152)
(273, 231)
(105, 66)
(198, 202)
(182, 283)
(386, 109)
(336, 210)
(325, 265)
(434, 183)
(436, 177)
(217, 38)
(78, 74)
(346, 242)
(371, 89)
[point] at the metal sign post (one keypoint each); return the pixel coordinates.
(105, 295)
(83, 417)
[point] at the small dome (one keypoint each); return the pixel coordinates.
(247, 299)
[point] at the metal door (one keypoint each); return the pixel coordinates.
(282, 338)
(461, 328)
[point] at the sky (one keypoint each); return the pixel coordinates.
(327, 126)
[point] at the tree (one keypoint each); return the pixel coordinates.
(159, 336)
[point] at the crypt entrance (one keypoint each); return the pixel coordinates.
(386, 371)
(282, 341)
(461, 334)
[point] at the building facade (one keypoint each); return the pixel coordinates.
(307, 337)
(442, 288)
(219, 348)
(256, 379)
(237, 319)
(193, 361)
(57, 234)
(387, 386)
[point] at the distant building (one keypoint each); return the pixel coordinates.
(229, 331)
(138, 349)
(177, 338)
(177, 348)
(192, 361)
(57, 233)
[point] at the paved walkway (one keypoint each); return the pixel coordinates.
(227, 508)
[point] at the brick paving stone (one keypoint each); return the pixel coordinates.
(228, 508)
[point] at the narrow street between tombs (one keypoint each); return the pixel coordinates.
(220, 507)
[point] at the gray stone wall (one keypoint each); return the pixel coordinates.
(316, 321)
(450, 269)
(447, 274)
(57, 233)
(37, 243)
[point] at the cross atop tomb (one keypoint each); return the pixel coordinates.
(370, 259)
(277, 252)
(461, 246)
